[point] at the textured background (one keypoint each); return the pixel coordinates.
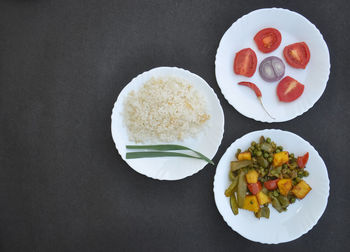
(63, 186)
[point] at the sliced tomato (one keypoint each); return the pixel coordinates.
(303, 160)
(254, 188)
(271, 184)
(268, 39)
(289, 89)
(297, 55)
(245, 62)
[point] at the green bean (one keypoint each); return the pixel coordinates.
(270, 159)
(284, 201)
(262, 162)
(236, 165)
(258, 153)
(253, 143)
(306, 173)
(292, 200)
(265, 212)
(280, 147)
(266, 155)
(229, 191)
(276, 193)
(258, 214)
(276, 204)
(266, 147)
(231, 175)
(275, 172)
(234, 205)
(278, 150)
(241, 188)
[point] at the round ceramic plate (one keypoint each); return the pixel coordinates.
(207, 141)
(294, 28)
(300, 216)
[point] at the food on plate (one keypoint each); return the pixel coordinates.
(271, 175)
(271, 69)
(163, 150)
(164, 109)
(268, 39)
(245, 62)
(244, 156)
(301, 189)
(297, 55)
(257, 93)
(303, 160)
(289, 89)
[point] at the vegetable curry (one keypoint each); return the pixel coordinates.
(266, 174)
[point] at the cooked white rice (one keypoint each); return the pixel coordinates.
(164, 110)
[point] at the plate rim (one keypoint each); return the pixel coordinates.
(318, 33)
(160, 68)
(225, 218)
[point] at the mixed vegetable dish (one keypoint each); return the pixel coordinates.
(266, 174)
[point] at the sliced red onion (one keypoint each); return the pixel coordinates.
(272, 69)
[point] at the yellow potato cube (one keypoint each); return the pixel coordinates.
(252, 176)
(280, 158)
(245, 156)
(301, 189)
(263, 198)
(251, 203)
(284, 185)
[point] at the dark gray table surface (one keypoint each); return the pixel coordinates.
(63, 186)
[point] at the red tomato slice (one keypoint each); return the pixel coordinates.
(254, 188)
(303, 160)
(245, 62)
(297, 55)
(268, 39)
(289, 89)
(271, 184)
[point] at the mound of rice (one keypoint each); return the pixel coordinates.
(164, 110)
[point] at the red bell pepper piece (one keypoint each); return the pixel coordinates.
(271, 184)
(303, 160)
(255, 188)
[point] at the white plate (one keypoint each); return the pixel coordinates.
(294, 28)
(207, 141)
(300, 216)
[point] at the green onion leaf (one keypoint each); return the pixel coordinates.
(151, 154)
(166, 147)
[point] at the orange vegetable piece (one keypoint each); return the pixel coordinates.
(301, 189)
(280, 158)
(284, 185)
(245, 156)
(263, 198)
(252, 176)
(251, 203)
